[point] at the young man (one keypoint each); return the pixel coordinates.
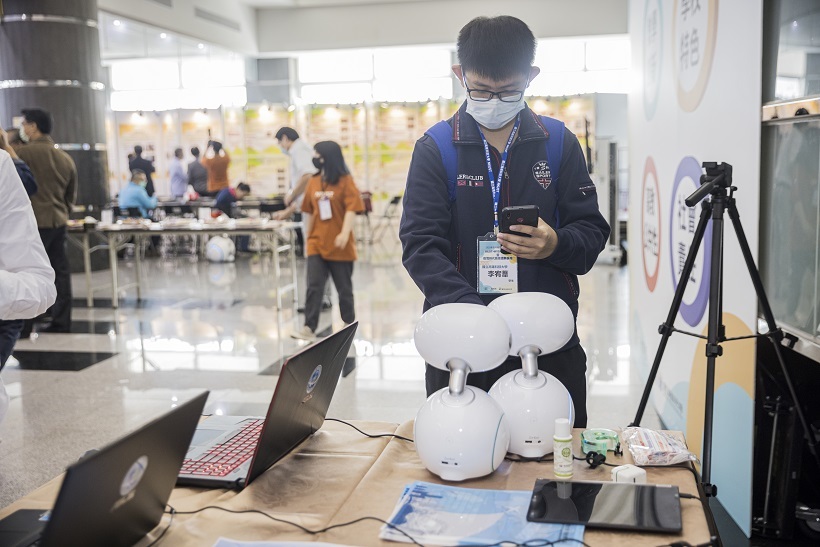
(56, 177)
(144, 165)
(179, 180)
(135, 196)
(300, 154)
(197, 174)
(226, 198)
(444, 220)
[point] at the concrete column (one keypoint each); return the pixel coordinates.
(50, 58)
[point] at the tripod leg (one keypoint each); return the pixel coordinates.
(714, 337)
(667, 328)
(774, 334)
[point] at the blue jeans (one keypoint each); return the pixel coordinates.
(9, 332)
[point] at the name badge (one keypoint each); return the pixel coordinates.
(325, 213)
(497, 272)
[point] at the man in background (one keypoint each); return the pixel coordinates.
(135, 195)
(144, 165)
(216, 161)
(179, 181)
(56, 177)
(197, 174)
(227, 197)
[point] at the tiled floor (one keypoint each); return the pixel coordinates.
(216, 326)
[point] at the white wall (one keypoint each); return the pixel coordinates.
(434, 22)
(611, 118)
(180, 18)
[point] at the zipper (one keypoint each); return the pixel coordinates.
(572, 290)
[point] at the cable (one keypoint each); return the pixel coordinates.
(522, 459)
(688, 496)
(528, 543)
(172, 512)
(299, 526)
(594, 459)
(368, 434)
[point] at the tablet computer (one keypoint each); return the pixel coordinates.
(625, 506)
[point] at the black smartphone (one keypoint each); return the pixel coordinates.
(518, 215)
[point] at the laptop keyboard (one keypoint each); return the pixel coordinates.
(221, 459)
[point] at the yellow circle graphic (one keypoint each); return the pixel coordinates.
(694, 34)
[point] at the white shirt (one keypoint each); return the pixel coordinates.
(26, 277)
(301, 164)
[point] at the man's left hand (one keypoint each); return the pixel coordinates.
(341, 240)
(540, 244)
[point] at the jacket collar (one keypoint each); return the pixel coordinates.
(465, 128)
(45, 138)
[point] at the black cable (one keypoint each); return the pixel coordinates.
(522, 459)
(368, 434)
(299, 526)
(688, 496)
(528, 543)
(594, 459)
(172, 512)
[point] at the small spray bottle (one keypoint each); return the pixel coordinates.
(562, 449)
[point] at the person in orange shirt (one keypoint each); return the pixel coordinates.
(332, 201)
(217, 165)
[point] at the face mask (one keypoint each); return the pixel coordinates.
(493, 114)
(22, 132)
(318, 163)
(283, 149)
(143, 183)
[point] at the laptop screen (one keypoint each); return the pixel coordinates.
(303, 393)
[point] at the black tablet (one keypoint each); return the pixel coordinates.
(625, 506)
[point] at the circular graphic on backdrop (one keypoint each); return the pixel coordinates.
(652, 56)
(682, 223)
(650, 224)
(694, 33)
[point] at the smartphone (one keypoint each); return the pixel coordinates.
(520, 215)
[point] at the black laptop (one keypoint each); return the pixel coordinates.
(117, 495)
(231, 451)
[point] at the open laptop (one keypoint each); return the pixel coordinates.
(114, 496)
(231, 451)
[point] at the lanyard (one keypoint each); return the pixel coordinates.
(495, 183)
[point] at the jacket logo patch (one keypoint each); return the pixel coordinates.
(542, 174)
(475, 181)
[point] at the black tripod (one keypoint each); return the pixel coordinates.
(717, 182)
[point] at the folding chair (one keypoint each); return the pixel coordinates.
(385, 221)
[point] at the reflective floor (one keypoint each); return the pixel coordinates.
(215, 326)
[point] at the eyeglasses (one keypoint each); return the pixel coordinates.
(483, 95)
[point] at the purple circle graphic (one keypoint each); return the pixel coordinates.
(692, 312)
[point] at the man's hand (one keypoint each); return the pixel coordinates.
(540, 244)
(289, 198)
(342, 239)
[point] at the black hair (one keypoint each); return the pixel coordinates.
(217, 146)
(135, 172)
(178, 151)
(244, 187)
(334, 163)
(498, 48)
(14, 136)
(288, 132)
(41, 118)
(195, 151)
(138, 150)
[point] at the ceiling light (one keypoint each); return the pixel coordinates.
(163, 35)
(201, 46)
(117, 22)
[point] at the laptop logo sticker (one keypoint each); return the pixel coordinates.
(311, 385)
(130, 481)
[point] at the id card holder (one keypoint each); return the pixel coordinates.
(325, 213)
(497, 272)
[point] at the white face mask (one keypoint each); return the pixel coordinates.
(22, 132)
(493, 114)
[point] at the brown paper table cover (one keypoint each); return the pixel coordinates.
(339, 475)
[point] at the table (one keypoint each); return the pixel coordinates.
(338, 475)
(279, 233)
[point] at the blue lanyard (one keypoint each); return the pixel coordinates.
(495, 183)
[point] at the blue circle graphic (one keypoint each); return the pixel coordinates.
(691, 312)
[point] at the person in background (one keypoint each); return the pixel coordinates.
(216, 161)
(197, 174)
(14, 139)
(332, 200)
(144, 165)
(135, 194)
(22, 169)
(26, 278)
(179, 180)
(227, 197)
(300, 155)
(56, 177)
(442, 222)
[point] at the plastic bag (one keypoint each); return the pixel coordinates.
(651, 447)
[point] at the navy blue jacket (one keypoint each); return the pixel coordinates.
(439, 236)
(26, 176)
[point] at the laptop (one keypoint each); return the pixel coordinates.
(114, 496)
(231, 451)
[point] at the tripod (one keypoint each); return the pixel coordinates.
(717, 182)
